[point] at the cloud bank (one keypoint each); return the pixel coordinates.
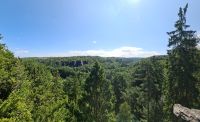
(118, 52)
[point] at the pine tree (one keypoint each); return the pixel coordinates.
(72, 87)
(119, 87)
(10, 73)
(47, 96)
(148, 83)
(98, 96)
(181, 85)
(13, 88)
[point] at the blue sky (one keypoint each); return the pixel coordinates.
(124, 28)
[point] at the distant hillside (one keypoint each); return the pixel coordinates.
(83, 60)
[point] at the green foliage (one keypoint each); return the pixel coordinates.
(16, 108)
(73, 88)
(47, 96)
(98, 97)
(146, 91)
(182, 64)
(124, 114)
(119, 86)
(11, 72)
(13, 88)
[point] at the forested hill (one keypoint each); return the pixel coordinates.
(67, 66)
(84, 89)
(60, 89)
(78, 61)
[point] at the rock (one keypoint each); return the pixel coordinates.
(191, 115)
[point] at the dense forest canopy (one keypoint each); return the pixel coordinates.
(97, 89)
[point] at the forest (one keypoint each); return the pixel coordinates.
(103, 89)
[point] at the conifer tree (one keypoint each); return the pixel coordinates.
(182, 64)
(98, 96)
(47, 96)
(148, 86)
(119, 87)
(13, 88)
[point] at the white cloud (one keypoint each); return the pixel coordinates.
(118, 52)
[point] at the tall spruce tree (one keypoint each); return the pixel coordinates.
(98, 96)
(47, 95)
(119, 87)
(182, 64)
(148, 80)
(13, 88)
